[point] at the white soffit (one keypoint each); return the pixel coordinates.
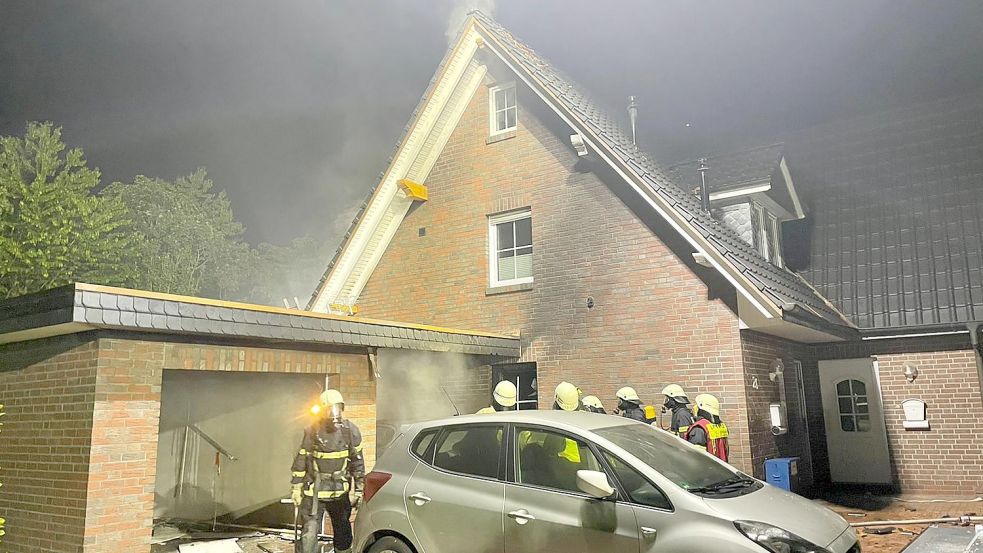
(451, 94)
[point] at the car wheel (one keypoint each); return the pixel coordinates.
(390, 545)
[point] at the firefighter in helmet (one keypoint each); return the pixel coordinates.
(566, 397)
(504, 397)
(708, 430)
(328, 462)
(677, 405)
(592, 404)
(629, 406)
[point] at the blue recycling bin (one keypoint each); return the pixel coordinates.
(783, 473)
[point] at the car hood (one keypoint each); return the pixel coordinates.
(785, 510)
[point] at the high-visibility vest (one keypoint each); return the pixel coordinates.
(716, 437)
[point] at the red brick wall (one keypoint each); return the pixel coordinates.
(48, 388)
(80, 442)
(652, 323)
(759, 352)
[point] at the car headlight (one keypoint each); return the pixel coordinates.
(775, 539)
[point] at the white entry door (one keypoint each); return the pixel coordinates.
(855, 432)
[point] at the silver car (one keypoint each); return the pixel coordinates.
(550, 481)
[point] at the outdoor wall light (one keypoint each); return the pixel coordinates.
(910, 372)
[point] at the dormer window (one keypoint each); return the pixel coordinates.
(767, 237)
(502, 109)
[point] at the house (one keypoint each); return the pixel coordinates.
(829, 293)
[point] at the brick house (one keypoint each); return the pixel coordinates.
(820, 275)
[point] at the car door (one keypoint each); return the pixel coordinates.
(653, 510)
(455, 497)
(545, 511)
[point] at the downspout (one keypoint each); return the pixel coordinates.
(974, 338)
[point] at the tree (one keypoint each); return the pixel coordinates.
(53, 228)
(290, 271)
(189, 241)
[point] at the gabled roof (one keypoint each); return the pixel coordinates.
(82, 307)
(774, 292)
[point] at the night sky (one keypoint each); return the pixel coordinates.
(294, 107)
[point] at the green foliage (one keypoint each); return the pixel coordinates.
(2, 521)
(189, 241)
(53, 228)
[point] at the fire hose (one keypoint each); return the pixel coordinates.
(964, 519)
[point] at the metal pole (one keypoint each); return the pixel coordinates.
(178, 490)
(704, 191)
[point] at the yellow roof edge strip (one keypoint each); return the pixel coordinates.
(278, 310)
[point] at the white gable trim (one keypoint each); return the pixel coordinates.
(415, 158)
(799, 212)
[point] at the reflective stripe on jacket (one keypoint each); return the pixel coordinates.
(329, 456)
(716, 436)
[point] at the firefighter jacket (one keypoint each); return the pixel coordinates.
(713, 436)
(681, 420)
(635, 412)
(330, 456)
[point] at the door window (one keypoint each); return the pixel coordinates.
(472, 450)
(551, 460)
(851, 397)
(638, 488)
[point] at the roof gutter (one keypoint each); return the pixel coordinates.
(761, 302)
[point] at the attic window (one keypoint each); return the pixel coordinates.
(510, 248)
(502, 110)
(768, 234)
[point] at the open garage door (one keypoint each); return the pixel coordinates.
(207, 416)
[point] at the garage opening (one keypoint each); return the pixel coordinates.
(226, 443)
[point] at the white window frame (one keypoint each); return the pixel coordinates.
(493, 222)
(776, 237)
(493, 109)
(762, 231)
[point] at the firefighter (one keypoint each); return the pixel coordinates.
(677, 405)
(592, 404)
(708, 430)
(329, 460)
(629, 406)
(504, 397)
(566, 397)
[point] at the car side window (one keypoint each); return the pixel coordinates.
(474, 450)
(551, 460)
(422, 443)
(638, 488)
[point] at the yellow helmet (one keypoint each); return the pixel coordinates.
(505, 393)
(331, 397)
(592, 401)
(567, 396)
(676, 392)
(628, 394)
(708, 403)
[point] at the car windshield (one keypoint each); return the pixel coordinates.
(678, 461)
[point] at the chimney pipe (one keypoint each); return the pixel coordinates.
(633, 116)
(704, 191)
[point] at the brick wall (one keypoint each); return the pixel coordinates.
(759, 352)
(48, 387)
(948, 458)
(652, 322)
(80, 441)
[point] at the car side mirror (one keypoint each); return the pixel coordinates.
(594, 483)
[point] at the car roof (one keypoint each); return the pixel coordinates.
(576, 420)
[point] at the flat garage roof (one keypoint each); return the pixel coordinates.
(81, 307)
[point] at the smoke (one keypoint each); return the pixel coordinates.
(459, 13)
(414, 386)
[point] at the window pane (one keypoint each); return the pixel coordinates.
(506, 238)
(473, 450)
(500, 99)
(423, 442)
(510, 97)
(846, 406)
(843, 388)
(523, 263)
(510, 118)
(552, 460)
(500, 123)
(639, 489)
(859, 388)
(863, 423)
(523, 232)
(861, 405)
(846, 423)
(506, 265)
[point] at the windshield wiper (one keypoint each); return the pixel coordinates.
(734, 483)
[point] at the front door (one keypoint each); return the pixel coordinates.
(544, 509)
(855, 433)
